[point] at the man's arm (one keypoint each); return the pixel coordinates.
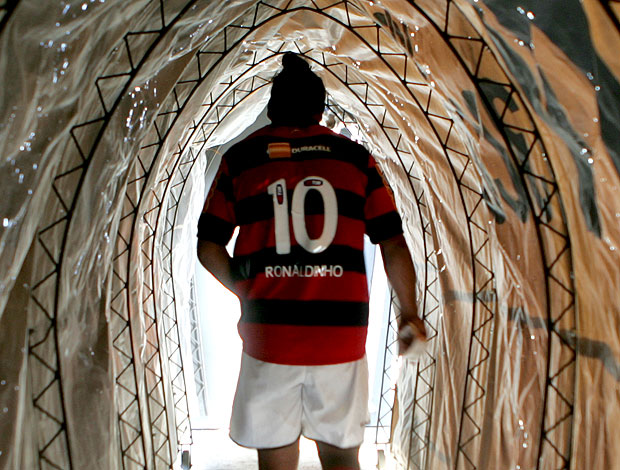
(216, 260)
(401, 274)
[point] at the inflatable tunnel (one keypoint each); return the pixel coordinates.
(496, 124)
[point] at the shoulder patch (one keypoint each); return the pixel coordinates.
(279, 150)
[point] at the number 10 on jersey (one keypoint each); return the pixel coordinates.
(277, 190)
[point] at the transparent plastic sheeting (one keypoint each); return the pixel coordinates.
(496, 124)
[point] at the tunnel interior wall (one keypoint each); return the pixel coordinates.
(496, 124)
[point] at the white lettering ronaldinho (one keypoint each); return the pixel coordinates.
(304, 271)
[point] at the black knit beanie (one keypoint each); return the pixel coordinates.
(297, 94)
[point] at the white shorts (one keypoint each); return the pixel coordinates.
(275, 404)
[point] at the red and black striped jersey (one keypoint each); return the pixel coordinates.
(303, 200)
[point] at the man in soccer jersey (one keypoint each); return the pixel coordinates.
(303, 197)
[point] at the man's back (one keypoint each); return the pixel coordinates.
(303, 199)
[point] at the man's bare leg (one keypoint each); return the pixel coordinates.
(280, 458)
(335, 458)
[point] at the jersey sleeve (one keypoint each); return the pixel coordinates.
(382, 220)
(217, 221)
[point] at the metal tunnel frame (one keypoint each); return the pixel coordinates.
(150, 212)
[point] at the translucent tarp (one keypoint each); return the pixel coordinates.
(496, 123)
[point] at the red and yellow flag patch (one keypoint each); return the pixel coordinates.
(279, 150)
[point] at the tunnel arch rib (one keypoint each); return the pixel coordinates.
(538, 177)
(66, 189)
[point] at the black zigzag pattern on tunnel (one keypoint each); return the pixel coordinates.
(528, 156)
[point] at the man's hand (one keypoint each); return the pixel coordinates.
(401, 274)
(411, 337)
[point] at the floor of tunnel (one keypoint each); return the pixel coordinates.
(214, 450)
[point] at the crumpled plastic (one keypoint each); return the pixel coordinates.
(496, 125)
